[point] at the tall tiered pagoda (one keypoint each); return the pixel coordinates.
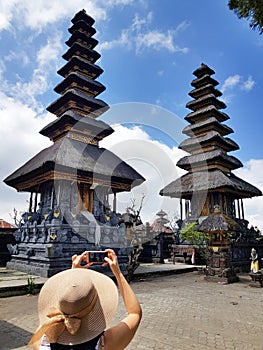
(70, 181)
(211, 193)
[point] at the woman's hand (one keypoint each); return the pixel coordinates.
(78, 260)
(112, 260)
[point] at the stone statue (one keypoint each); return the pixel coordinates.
(254, 267)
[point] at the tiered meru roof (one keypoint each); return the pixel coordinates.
(208, 165)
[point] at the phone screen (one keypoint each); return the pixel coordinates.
(97, 257)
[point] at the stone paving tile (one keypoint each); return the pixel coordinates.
(181, 312)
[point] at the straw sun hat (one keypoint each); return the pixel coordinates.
(75, 306)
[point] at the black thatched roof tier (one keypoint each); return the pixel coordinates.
(205, 101)
(82, 26)
(210, 138)
(207, 181)
(85, 40)
(204, 80)
(205, 90)
(71, 120)
(203, 70)
(212, 159)
(207, 125)
(72, 159)
(77, 64)
(82, 16)
(206, 113)
(82, 51)
(78, 102)
(80, 82)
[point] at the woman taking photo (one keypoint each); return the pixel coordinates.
(76, 306)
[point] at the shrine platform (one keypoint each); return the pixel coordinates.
(13, 283)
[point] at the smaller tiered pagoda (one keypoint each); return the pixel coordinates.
(212, 194)
(71, 181)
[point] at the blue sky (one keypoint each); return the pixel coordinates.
(149, 50)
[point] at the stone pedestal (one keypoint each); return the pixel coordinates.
(256, 279)
(47, 248)
(222, 276)
(220, 269)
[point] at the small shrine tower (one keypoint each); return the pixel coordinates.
(70, 181)
(211, 193)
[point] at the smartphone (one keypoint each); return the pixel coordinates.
(97, 257)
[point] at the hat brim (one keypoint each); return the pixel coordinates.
(97, 320)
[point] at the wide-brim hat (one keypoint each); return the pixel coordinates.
(76, 292)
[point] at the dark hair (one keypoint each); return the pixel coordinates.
(89, 345)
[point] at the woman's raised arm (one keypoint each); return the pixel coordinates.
(119, 336)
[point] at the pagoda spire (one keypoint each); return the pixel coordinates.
(207, 146)
(73, 180)
(209, 166)
(78, 104)
(79, 88)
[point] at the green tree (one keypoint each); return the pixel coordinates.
(196, 238)
(249, 9)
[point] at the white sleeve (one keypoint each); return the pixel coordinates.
(44, 344)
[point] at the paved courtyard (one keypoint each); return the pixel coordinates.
(180, 312)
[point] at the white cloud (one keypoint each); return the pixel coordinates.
(139, 37)
(139, 22)
(123, 40)
(37, 15)
(181, 27)
(21, 57)
(51, 51)
(2, 69)
(252, 173)
(153, 160)
(231, 82)
(113, 3)
(20, 140)
(3, 21)
(237, 81)
(157, 41)
(19, 130)
(248, 84)
(26, 91)
(6, 13)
